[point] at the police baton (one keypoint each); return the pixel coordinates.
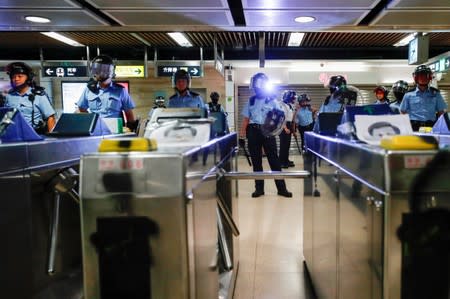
(242, 145)
(296, 141)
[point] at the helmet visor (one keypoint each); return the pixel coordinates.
(102, 71)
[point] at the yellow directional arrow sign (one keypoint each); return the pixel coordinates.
(136, 71)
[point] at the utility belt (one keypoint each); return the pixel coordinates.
(254, 126)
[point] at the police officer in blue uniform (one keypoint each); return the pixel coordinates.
(31, 100)
(304, 117)
(184, 97)
(381, 94)
(399, 89)
(263, 120)
(334, 101)
(423, 103)
(105, 97)
(289, 97)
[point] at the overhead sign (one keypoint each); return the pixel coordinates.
(135, 71)
(169, 70)
(65, 71)
(440, 65)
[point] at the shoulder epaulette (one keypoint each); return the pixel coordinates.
(193, 93)
(173, 96)
(117, 85)
(434, 90)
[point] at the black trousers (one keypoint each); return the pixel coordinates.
(285, 144)
(302, 130)
(256, 142)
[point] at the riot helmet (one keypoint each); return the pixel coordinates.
(381, 91)
(259, 83)
(20, 68)
(399, 89)
(304, 99)
(102, 68)
(422, 70)
(181, 74)
(289, 96)
(336, 82)
(214, 96)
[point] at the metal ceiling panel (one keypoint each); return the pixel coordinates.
(415, 18)
(348, 39)
(158, 4)
(426, 4)
(302, 4)
(14, 40)
(59, 18)
(37, 4)
(104, 38)
(324, 19)
(185, 17)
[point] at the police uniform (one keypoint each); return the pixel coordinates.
(285, 138)
(108, 102)
(215, 107)
(422, 106)
(256, 111)
(305, 122)
(34, 112)
(395, 107)
(190, 100)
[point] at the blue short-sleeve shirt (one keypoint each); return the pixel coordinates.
(423, 105)
(42, 106)
(304, 117)
(109, 102)
(333, 105)
(257, 112)
(189, 100)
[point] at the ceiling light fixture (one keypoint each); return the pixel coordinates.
(63, 39)
(295, 39)
(405, 41)
(304, 19)
(180, 39)
(37, 19)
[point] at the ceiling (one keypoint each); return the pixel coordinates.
(350, 28)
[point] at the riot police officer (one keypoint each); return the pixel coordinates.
(399, 89)
(304, 117)
(289, 97)
(423, 103)
(184, 97)
(263, 120)
(333, 102)
(159, 102)
(214, 105)
(31, 100)
(381, 94)
(105, 97)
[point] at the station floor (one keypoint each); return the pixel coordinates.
(271, 252)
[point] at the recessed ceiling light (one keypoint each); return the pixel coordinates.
(36, 19)
(304, 19)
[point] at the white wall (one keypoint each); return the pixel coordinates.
(316, 72)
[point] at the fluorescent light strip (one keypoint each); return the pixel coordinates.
(295, 39)
(63, 39)
(404, 41)
(37, 19)
(180, 39)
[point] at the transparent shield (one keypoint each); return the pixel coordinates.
(275, 119)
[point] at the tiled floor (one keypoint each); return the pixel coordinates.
(271, 258)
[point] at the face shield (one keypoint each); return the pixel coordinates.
(102, 72)
(348, 95)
